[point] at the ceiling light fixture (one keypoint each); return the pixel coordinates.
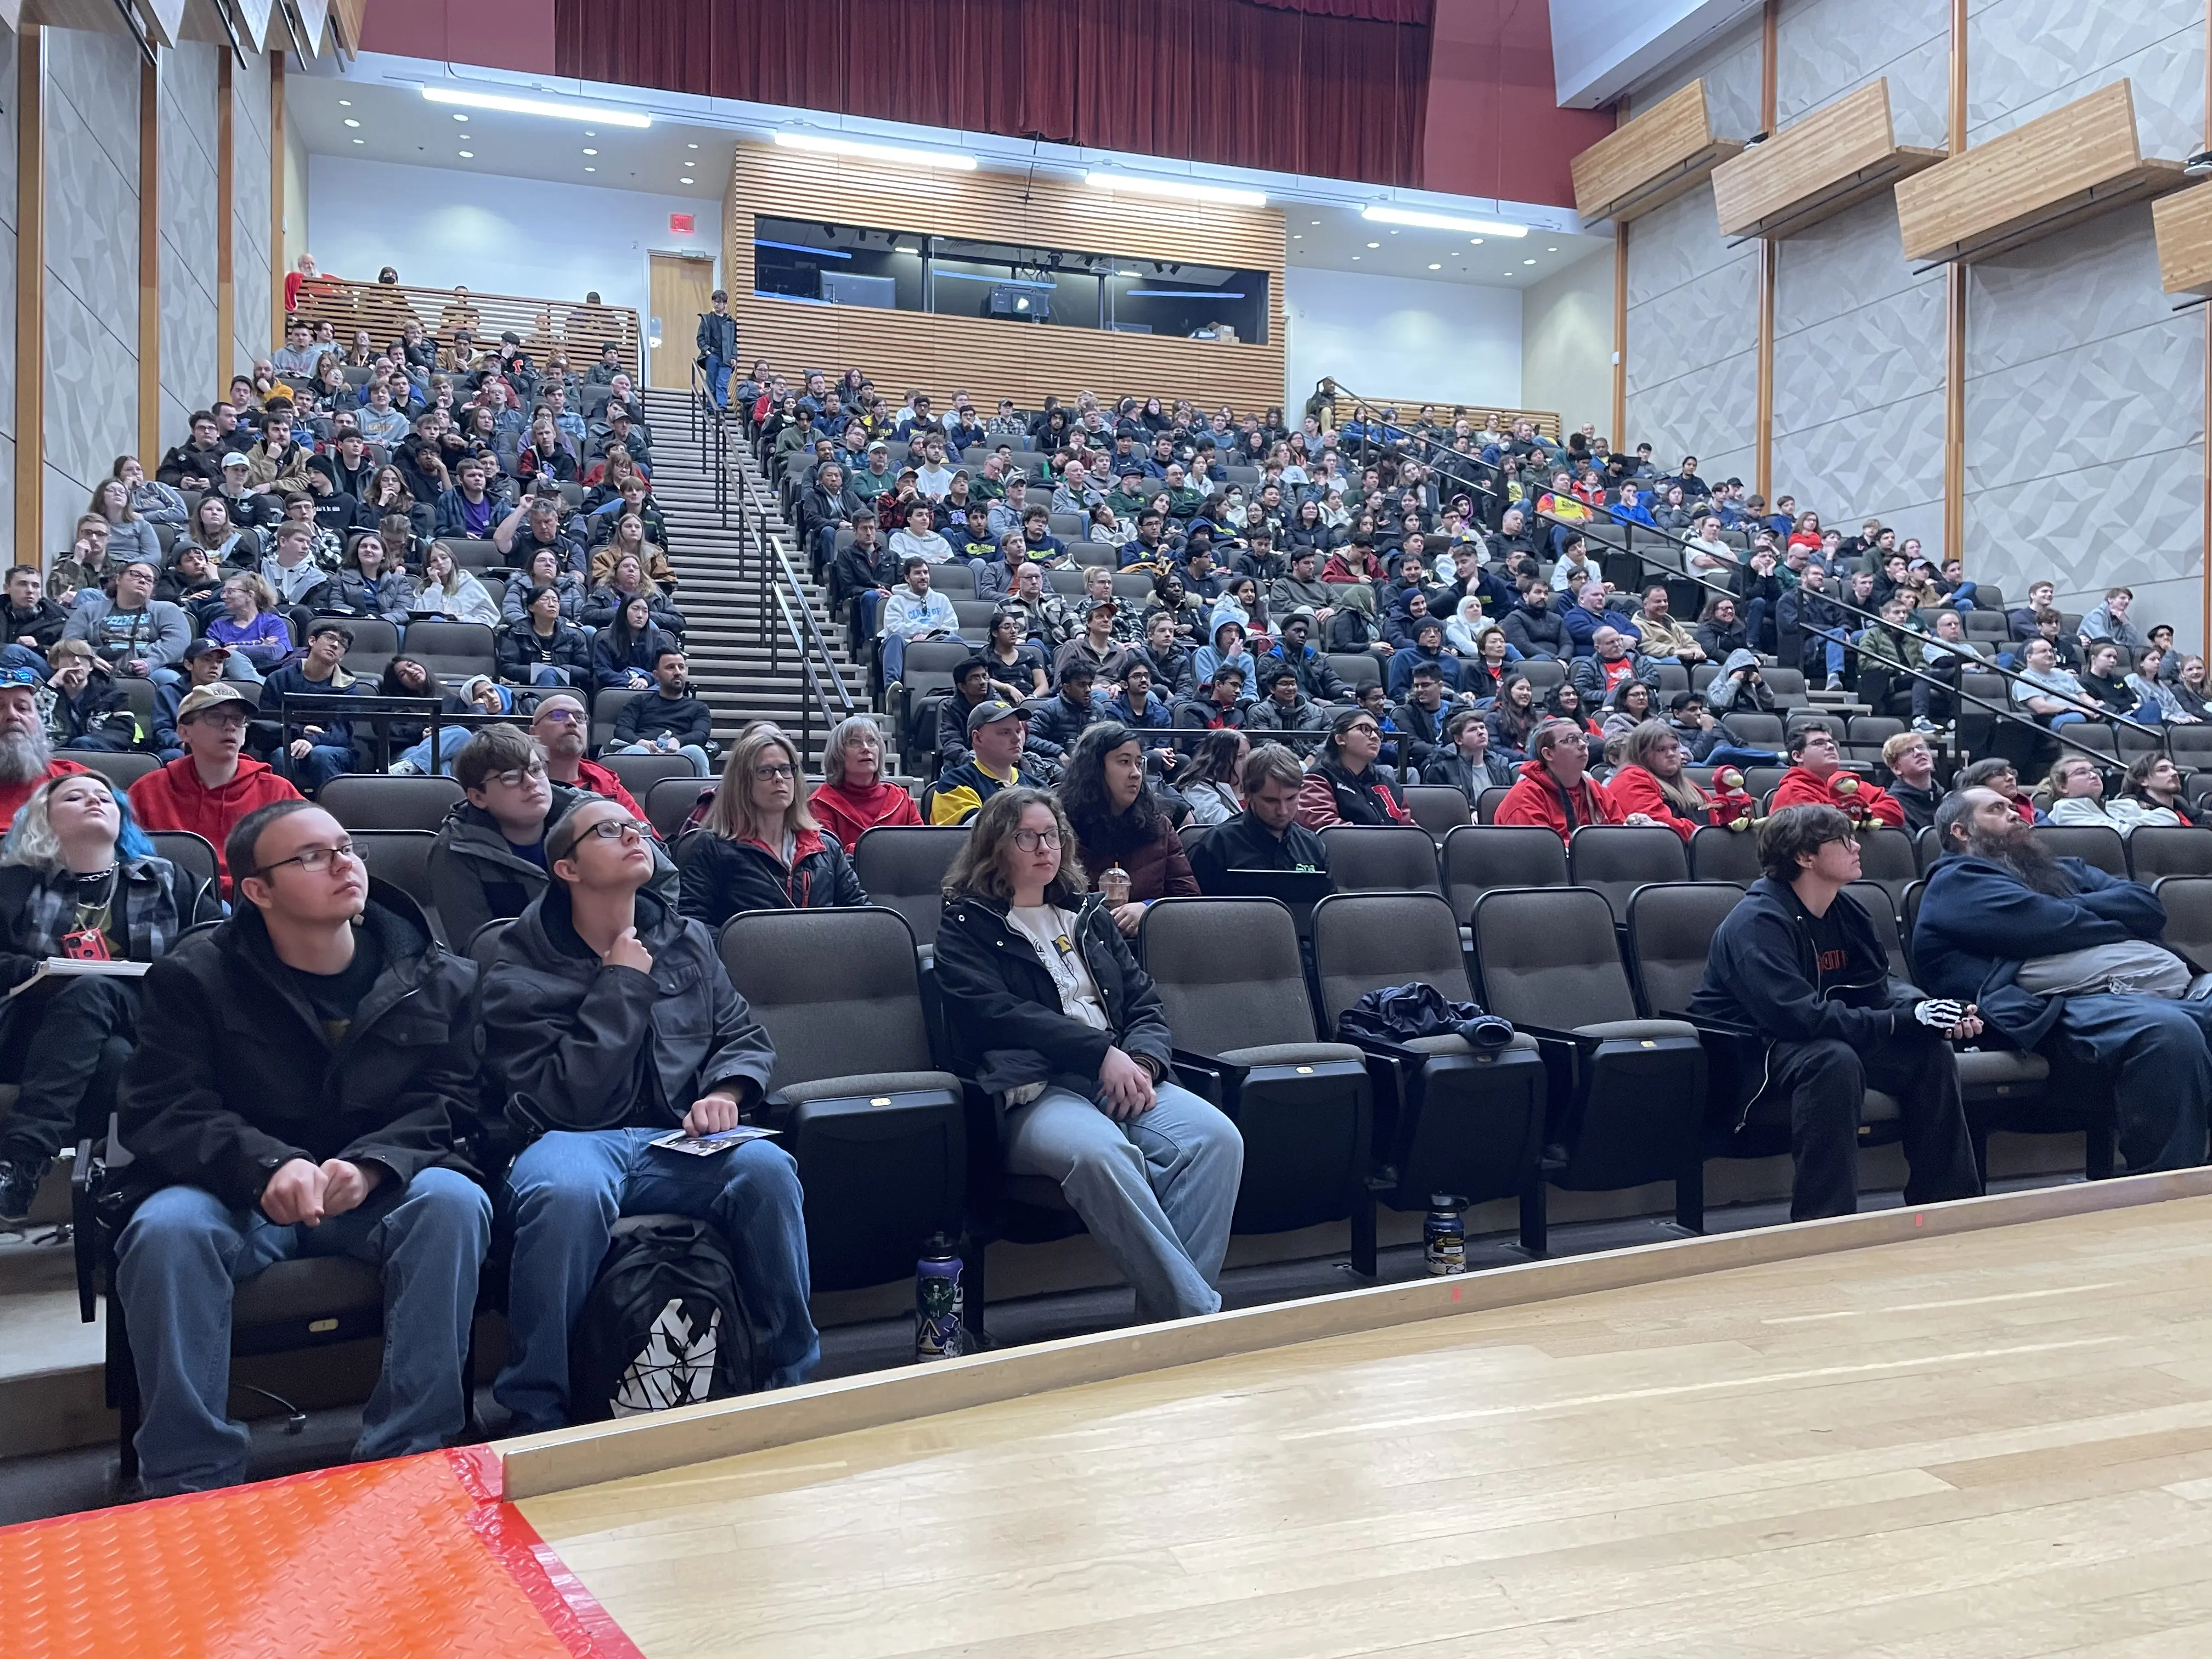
(1474, 241)
(898, 154)
(1187, 190)
(1527, 262)
(468, 156)
(351, 121)
(536, 107)
(345, 103)
(360, 140)
(691, 181)
(1435, 267)
(1374, 213)
(694, 147)
(590, 169)
(1375, 245)
(459, 117)
(590, 152)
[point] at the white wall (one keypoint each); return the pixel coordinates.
(494, 234)
(1566, 344)
(1395, 336)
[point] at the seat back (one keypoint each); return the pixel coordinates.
(1355, 669)
(193, 855)
(123, 769)
(837, 991)
(2188, 901)
(1381, 858)
(606, 703)
(639, 773)
(402, 857)
(454, 650)
(1670, 934)
(1754, 730)
(2161, 849)
(368, 801)
(902, 868)
(1882, 907)
(1889, 857)
(1549, 956)
(1487, 802)
(668, 803)
(375, 642)
(1478, 857)
(1717, 854)
(2093, 843)
(1363, 942)
(1228, 972)
(1438, 808)
(1616, 858)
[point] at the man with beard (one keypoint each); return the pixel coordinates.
(2065, 959)
(26, 760)
(562, 729)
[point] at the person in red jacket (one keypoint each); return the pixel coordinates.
(853, 799)
(1650, 781)
(1816, 778)
(1553, 790)
(211, 786)
(25, 759)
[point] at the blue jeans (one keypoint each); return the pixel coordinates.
(566, 1191)
(2161, 1054)
(718, 379)
(690, 751)
(452, 739)
(184, 1251)
(320, 764)
(1156, 1191)
(1834, 639)
(2069, 718)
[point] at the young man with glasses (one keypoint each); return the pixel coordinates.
(488, 861)
(213, 786)
(1816, 778)
(301, 1077)
(1798, 967)
(609, 1022)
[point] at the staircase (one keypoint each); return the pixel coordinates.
(722, 596)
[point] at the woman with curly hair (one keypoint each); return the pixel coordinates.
(1119, 825)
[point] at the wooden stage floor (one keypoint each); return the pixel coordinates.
(1980, 1444)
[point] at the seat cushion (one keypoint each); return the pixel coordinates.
(312, 1289)
(1294, 1053)
(1451, 1043)
(1630, 1029)
(1985, 1073)
(1878, 1108)
(866, 1083)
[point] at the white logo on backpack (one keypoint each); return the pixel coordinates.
(673, 1369)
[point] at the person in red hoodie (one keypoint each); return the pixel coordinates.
(211, 786)
(853, 799)
(1650, 781)
(1816, 778)
(25, 759)
(1553, 791)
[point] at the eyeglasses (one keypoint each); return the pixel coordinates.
(1030, 840)
(519, 776)
(1370, 730)
(559, 717)
(316, 859)
(614, 829)
(768, 773)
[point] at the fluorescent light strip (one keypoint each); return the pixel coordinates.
(801, 247)
(997, 281)
(1178, 294)
(891, 153)
(1393, 216)
(1185, 190)
(613, 118)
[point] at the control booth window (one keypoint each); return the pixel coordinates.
(826, 264)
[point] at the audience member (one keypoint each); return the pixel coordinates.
(760, 847)
(1554, 790)
(854, 798)
(212, 787)
(1119, 825)
(996, 733)
(1267, 834)
(1816, 778)
(1345, 784)
(672, 719)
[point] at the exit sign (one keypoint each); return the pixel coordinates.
(681, 223)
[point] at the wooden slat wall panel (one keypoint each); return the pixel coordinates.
(1346, 405)
(384, 308)
(2182, 223)
(2083, 153)
(987, 357)
(1816, 154)
(1672, 133)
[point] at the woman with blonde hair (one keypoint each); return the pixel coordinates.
(853, 799)
(452, 592)
(760, 849)
(2074, 793)
(251, 628)
(1050, 1014)
(629, 541)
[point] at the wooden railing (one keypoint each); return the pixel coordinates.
(1545, 421)
(580, 329)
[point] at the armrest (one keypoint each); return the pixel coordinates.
(1708, 1026)
(84, 1233)
(1203, 1074)
(1554, 1034)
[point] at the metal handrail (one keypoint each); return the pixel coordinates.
(1443, 460)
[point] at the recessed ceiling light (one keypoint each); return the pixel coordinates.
(459, 117)
(590, 169)
(345, 103)
(534, 107)
(590, 152)
(1435, 267)
(1297, 236)
(1475, 241)
(1355, 258)
(1527, 262)
(1551, 250)
(694, 147)
(1316, 221)
(351, 121)
(690, 181)
(1375, 245)
(468, 156)
(360, 140)
(588, 133)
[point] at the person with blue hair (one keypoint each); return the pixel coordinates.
(79, 883)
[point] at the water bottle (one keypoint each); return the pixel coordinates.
(1443, 1237)
(938, 1300)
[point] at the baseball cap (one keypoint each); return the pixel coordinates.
(235, 459)
(201, 698)
(989, 714)
(204, 646)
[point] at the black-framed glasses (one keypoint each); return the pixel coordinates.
(519, 776)
(773, 770)
(1030, 840)
(614, 829)
(316, 859)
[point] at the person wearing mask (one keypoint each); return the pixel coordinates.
(1119, 825)
(1051, 1017)
(1798, 964)
(760, 847)
(1267, 834)
(609, 1021)
(212, 787)
(853, 798)
(78, 880)
(1553, 790)
(669, 720)
(304, 1076)
(1344, 785)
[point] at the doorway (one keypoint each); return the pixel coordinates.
(681, 283)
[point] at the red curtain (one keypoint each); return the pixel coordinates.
(1236, 84)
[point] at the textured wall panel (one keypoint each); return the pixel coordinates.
(1692, 324)
(250, 313)
(1693, 310)
(193, 367)
(1824, 49)
(8, 179)
(92, 406)
(1677, 244)
(2084, 416)
(1730, 67)
(2026, 58)
(1707, 411)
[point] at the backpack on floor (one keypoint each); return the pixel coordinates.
(663, 1326)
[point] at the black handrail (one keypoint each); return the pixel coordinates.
(1451, 458)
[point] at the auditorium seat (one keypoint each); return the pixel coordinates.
(901, 867)
(1438, 808)
(1388, 858)
(639, 773)
(1614, 859)
(402, 858)
(2093, 843)
(370, 800)
(1478, 857)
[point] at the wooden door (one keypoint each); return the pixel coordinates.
(680, 286)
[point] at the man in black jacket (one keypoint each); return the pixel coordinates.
(669, 719)
(718, 347)
(827, 505)
(28, 619)
(1797, 965)
(609, 1023)
(304, 1076)
(1267, 834)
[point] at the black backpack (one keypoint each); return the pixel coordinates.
(663, 1325)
